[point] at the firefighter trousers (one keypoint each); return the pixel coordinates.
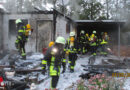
(93, 50)
(21, 49)
(64, 66)
(54, 81)
(83, 48)
(103, 49)
(72, 60)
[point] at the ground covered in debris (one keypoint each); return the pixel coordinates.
(66, 80)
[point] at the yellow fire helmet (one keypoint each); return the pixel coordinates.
(51, 43)
(28, 26)
(71, 39)
(87, 35)
(93, 35)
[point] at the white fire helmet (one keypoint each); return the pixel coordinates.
(82, 31)
(60, 40)
(18, 21)
(72, 33)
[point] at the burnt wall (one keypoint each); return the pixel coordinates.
(1, 29)
(10, 31)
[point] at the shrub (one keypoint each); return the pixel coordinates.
(100, 82)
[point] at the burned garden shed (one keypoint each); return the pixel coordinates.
(112, 27)
(46, 25)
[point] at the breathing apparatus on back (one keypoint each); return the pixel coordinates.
(28, 30)
(72, 38)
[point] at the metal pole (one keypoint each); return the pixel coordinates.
(54, 4)
(116, 8)
(54, 19)
(119, 43)
(63, 8)
(107, 8)
(36, 35)
(54, 23)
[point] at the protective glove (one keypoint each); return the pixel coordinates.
(44, 69)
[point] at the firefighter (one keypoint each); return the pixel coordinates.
(82, 40)
(64, 60)
(72, 48)
(87, 42)
(93, 43)
(21, 38)
(53, 58)
(51, 43)
(104, 43)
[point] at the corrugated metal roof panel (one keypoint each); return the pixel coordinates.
(107, 21)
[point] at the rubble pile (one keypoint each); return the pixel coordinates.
(23, 72)
(28, 72)
(107, 65)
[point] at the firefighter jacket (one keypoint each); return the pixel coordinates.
(105, 39)
(93, 41)
(71, 48)
(21, 33)
(82, 38)
(87, 39)
(53, 59)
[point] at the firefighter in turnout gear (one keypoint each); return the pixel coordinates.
(51, 43)
(72, 48)
(82, 41)
(93, 43)
(64, 60)
(104, 43)
(21, 38)
(87, 42)
(53, 59)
